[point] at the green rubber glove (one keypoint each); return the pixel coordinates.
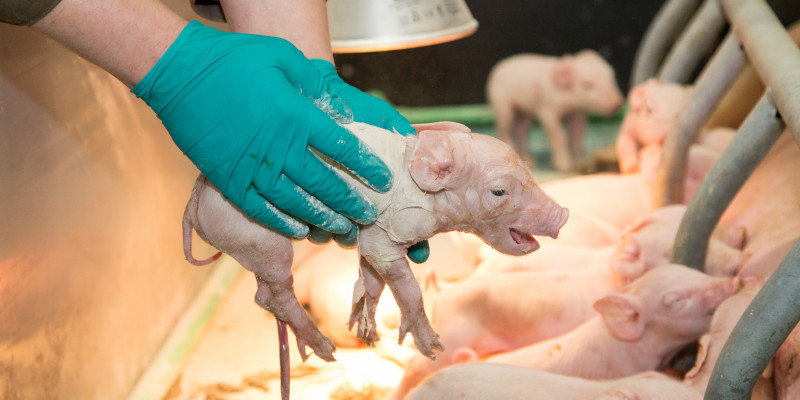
(374, 111)
(239, 106)
(366, 108)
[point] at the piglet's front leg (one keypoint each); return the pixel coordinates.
(407, 294)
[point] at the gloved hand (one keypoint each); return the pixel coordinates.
(366, 108)
(374, 111)
(239, 107)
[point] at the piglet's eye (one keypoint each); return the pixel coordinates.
(498, 192)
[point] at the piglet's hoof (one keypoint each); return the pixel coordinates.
(366, 330)
(363, 314)
(425, 338)
(321, 345)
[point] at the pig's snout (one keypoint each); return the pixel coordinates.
(558, 217)
(541, 223)
(544, 217)
(719, 292)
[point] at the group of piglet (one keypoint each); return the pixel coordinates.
(601, 313)
(597, 313)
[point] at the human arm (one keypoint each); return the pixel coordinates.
(125, 38)
(247, 122)
(302, 22)
(305, 24)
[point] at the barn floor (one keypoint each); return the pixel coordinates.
(226, 347)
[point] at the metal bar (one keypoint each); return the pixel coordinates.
(766, 323)
(772, 52)
(698, 39)
(755, 138)
(714, 81)
(667, 24)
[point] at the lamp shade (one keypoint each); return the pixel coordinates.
(358, 26)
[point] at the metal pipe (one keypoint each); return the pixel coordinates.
(698, 39)
(666, 25)
(715, 79)
(772, 52)
(766, 323)
(755, 138)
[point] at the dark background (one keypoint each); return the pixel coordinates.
(455, 73)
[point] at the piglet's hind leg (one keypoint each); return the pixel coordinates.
(279, 299)
(271, 263)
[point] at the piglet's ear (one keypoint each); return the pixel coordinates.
(621, 316)
(627, 259)
(638, 95)
(441, 126)
(702, 354)
(563, 73)
(464, 354)
(733, 236)
(431, 164)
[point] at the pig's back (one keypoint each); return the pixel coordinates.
(404, 194)
(481, 380)
(512, 77)
(220, 223)
(387, 145)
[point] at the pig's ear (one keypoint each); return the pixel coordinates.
(769, 370)
(563, 73)
(432, 164)
(441, 126)
(464, 354)
(627, 259)
(702, 354)
(622, 316)
(733, 236)
(638, 225)
(723, 260)
(638, 95)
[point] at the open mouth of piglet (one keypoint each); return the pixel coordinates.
(524, 239)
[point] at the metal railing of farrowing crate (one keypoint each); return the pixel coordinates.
(758, 36)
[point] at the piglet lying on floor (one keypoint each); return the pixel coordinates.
(638, 329)
(443, 181)
(511, 302)
(479, 381)
(710, 344)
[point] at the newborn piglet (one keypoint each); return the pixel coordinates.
(479, 381)
(710, 344)
(653, 108)
(443, 181)
(556, 91)
(638, 329)
(512, 302)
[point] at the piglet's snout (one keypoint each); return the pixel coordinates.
(558, 217)
(546, 217)
(724, 288)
